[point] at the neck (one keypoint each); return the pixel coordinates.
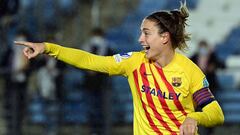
(165, 58)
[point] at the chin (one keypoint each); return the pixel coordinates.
(151, 58)
(148, 56)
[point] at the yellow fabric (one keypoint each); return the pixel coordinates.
(211, 115)
(158, 93)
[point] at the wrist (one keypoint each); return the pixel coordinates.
(195, 115)
(43, 47)
(46, 47)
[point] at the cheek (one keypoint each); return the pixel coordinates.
(154, 44)
(149, 40)
(155, 47)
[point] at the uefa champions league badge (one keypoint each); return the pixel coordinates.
(119, 57)
(126, 55)
(205, 83)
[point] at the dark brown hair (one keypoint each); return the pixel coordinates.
(174, 22)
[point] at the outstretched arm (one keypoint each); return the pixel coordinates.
(74, 57)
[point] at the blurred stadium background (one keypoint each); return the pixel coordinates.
(68, 22)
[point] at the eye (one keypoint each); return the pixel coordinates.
(146, 33)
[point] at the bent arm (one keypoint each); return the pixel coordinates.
(81, 59)
(210, 116)
(211, 113)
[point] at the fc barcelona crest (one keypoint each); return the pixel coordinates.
(176, 81)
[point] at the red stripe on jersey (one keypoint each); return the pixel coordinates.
(150, 101)
(154, 127)
(164, 104)
(170, 88)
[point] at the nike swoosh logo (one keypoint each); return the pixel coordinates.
(146, 74)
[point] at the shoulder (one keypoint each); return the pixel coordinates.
(127, 62)
(184, 61)
(129, 56)
(188, 66)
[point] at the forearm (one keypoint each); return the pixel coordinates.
(78, 58)
(211, 115)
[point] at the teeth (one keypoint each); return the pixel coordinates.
(146, 47)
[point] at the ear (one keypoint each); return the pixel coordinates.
(165, 37)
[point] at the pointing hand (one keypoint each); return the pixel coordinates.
(31, 50)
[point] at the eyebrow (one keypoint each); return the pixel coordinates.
(145, 29)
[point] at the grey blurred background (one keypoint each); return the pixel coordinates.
(46, 97)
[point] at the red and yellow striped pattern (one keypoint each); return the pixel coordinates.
(150, 75)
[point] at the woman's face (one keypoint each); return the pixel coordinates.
(150, 39)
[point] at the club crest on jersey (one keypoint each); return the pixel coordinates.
(176, 81)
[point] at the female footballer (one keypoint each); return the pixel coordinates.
(166, 86)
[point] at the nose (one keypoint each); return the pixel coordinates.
(141, 39)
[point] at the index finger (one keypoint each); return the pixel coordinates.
(24, 43)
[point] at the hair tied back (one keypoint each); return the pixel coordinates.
(183, 9)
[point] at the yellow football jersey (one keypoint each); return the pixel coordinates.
(162, 97)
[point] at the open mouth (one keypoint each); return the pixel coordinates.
(146, 48)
